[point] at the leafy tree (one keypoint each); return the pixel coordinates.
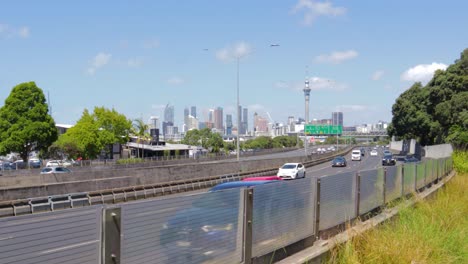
(25, 124)
(139, 129)
(204, 138)
(96, 132)
(437, 112)
(192, 137)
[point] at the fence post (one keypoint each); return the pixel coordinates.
(248, 214)
(111, 236)
(384, 187)
(402, 180)
(317, 209)
(358, 192)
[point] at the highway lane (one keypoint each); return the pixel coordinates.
(367, 163)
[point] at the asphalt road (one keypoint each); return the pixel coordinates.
(367, 163)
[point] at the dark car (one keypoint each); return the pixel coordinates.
(206, 230)
(411, 159)
(339, 162)
(35, 163)
(362, 151)
(388, 160)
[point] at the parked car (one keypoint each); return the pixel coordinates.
(388, 160)
(263, 178)
(374, 153)
(54, 163)
(339, 161)
(53, 170)
(186, 234)
(35, 163)
(292, 171)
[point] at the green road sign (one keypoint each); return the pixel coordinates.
(323, 130)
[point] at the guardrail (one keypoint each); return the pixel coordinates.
(125, 194)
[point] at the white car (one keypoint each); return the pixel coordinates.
(356, 154)
(292, 171)
(374, 153)
(54, 163)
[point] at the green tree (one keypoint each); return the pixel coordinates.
(140, 129)
(96, 132)
(436, 113)
(25, 124)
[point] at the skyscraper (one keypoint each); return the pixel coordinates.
(337, 118)
(186, 118)
(169, 113)
(218, 118)
(228, 124)
(193, 111)
(245, 121)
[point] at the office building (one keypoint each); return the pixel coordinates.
(337, 118)
(245, 121)
(228, 124)
(169, 113)
(193, 111)
(218, 118)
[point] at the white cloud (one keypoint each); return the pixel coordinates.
(8, 31)
(135, 62)
(353, 108)
(232, 52)
(315, 84)
(99, 61)
(314, 9)
(151, 44)
(175, 81)
(422, 72)
(337, 57)
(23, 32)
(377, 75)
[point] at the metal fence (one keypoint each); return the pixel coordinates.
(228, 226)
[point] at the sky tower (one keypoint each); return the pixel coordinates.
(306, 95)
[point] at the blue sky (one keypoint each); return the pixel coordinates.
(138, 56)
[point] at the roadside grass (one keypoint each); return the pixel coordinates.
(434, 231)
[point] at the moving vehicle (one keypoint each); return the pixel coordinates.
(374, 153)
(188, 231)
(388, 160)
(291, 171)
(356, 154)
(54, 170)
(411, 159)
(339, 161)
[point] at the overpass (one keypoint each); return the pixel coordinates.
(198, 228)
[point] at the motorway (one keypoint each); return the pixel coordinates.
(367, 163)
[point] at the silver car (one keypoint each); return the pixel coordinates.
(53, 170)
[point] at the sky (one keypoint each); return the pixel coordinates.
(138, 56)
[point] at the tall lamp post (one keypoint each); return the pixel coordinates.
(238, 104)
(238, 111)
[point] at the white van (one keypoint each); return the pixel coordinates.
(356, 154)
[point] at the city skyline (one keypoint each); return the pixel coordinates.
(138, 57)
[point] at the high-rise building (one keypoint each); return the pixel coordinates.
(167, 128)
(154, 122)
(211, 116)
(245, 121)
(337, 118)
(260, 124)
(186, 119)
(192, 123)
(193, 111)
(169, 113)
(228, 124)
(218, 118)
(291, 123)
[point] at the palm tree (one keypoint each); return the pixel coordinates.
(140, 129)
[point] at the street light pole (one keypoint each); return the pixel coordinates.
(238, 111)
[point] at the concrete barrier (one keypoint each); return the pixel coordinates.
(438, 151)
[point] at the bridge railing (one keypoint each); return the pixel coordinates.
(228, 226)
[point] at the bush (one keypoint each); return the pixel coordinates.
(129, 161)
(460, 161)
